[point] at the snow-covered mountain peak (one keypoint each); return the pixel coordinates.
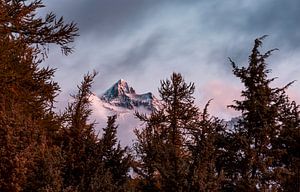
(122, 95)
(120, 88)
(121, 100)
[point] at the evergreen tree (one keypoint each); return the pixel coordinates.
(205, 146)
(27, 123)
(161, 144)
(116, 159)
(286, 145)
(177, 148)
(91, 163)
(111, 162)
(79, 143)
(262, 122)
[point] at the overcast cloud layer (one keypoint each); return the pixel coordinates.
(144, 41)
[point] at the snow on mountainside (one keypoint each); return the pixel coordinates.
(123, 101)
(121, 95)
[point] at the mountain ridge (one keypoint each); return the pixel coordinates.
(122, 95)
(122, 100)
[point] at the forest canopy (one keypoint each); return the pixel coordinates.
(179, 148)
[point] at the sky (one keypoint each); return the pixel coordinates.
(144, 41)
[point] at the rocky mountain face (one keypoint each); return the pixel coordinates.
(122, 100)
(121, 95)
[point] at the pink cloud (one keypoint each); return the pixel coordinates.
(223, 93)
(294, 95)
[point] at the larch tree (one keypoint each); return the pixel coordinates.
(27, 122)
(176, 150)
(160, 144)
(91, 163)
(116, 159)
(206, 146)
(78, 145)
(286, 145)
(266, 116)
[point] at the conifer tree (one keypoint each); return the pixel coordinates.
(177, 147)
(205, 146)
(27, 122)
(116, 159)
(79, 142)
(286, 145)
(161, 144)
(263, 121)
(91, 163)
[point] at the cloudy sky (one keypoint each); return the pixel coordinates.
(144, 41)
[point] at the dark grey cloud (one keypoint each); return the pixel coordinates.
(280, 18)
(104, 18)
(128, 63)
(144, 41)
(132, 59)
